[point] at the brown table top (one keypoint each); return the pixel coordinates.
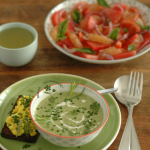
(50, 60)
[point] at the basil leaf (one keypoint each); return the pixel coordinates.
(62, 29)
(85, 50)
(147, 27)
(107, 20)
(114, 34)
(125, 29)
(103, 3)
(77, 16)
(139, 24)
(131, 47)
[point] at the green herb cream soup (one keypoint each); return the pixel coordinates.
(61, 115)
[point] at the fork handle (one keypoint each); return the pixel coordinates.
(135, 145)
(126, 137)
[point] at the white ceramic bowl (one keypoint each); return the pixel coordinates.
(68, 5)
(70, 141)
(19, 56)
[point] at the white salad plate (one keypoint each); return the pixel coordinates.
(68, 5)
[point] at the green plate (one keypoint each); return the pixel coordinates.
(30, 86)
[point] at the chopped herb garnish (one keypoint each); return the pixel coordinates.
(26, 146)
(95, 107)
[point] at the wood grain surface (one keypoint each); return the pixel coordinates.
(50, 60)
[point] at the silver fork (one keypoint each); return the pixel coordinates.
(133, 97)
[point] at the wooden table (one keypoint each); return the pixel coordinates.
(50, 60)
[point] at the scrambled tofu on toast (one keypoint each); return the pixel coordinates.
(18, 124)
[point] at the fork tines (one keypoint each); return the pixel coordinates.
(133, 88)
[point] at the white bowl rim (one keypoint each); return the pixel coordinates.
(73, 136)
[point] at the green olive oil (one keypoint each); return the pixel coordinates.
(15, 38)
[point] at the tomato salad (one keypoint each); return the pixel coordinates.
(100, 31)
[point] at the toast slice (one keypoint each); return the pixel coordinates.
(6, 133)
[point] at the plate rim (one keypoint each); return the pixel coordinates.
(90, 60)
(72, 75)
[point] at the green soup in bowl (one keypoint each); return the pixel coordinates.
(70, 113)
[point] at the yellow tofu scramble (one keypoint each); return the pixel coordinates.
(19, 121)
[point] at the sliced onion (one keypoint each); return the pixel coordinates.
(146, 43)
(104, 18)
(96, 28)
(79, 29)
(108, 56)
(140, 21)
(141, 32)
(66, 43)
(85, 37)
(68, 49)
(125, 36)
(60, 13)
(74, 32)
(118, 5)
(110, 28)
(98, 14)
(80, 7)
(139, 41)
(116, 25)
(91, 13)
(71, 21)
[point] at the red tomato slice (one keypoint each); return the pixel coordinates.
(130, 40)
(125, 55)
(66, 42)
(90, 56)
(131, 25)
(56, 18)
(77, 53)
(81, 4)
(134, 12)
(87, 56)
(86, 11)
(96, 46)
(118, 44)
(69, 28)
(91, 22)
(146, 37)
(81, 37)
(113, 15)
(116, 7)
